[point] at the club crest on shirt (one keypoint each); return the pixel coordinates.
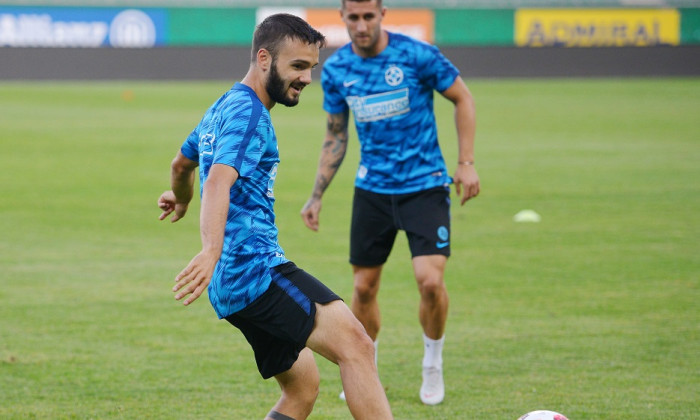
(393, 75)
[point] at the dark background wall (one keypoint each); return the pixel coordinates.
(222, 63)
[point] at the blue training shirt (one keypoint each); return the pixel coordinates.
(391, 98)
(237, 131)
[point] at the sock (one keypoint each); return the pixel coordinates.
(432, 356)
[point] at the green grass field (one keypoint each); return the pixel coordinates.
(593, 312)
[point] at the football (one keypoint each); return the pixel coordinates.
(542, 415)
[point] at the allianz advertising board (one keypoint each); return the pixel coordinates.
(75, 27)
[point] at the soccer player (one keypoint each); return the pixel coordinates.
(282, 311)
(387, 80)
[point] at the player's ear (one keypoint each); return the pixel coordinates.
(263, 59)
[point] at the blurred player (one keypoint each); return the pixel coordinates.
(387, 80)
(283, 312)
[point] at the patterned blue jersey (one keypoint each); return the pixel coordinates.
(391, 98)
(237, 131)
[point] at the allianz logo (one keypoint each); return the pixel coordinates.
(130, 28)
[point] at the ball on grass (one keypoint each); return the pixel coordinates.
(542, 415)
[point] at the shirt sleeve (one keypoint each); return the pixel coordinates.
(435, 69)
(241, 143)
(190, 147)
(333, 100)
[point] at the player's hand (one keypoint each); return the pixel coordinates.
(194, 279)
(310, 213)
(167, 202)
(466, 182)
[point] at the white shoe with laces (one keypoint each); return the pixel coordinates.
(432, 391)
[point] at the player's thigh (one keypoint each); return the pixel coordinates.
(337, 333)
(430, 270)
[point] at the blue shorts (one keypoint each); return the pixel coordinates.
(376, 218)
(278, 323)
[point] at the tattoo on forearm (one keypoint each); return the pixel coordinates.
(337, 123)
(333, 151)
(336, 138)
(321, 185)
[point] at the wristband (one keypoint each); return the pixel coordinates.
(467, 163)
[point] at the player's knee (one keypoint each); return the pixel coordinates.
(305, 395)
(311, 394)
(357, 345)
(365, 292)
(432, 287)
(362, 342)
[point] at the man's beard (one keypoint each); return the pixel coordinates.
(275, 87)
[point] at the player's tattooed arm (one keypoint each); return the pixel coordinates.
(335, 145)
(336, 138)
(332, 153)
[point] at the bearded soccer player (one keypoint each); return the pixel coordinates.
(283, 312)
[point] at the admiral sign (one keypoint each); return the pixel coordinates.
(597, 27)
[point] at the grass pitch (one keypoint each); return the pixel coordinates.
(592, 312)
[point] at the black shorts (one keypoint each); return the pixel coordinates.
(376, 218)
(278, 323)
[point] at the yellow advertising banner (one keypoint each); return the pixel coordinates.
(418, 23)
(596, 27)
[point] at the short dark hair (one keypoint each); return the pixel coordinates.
(342, 3)
(270, 33)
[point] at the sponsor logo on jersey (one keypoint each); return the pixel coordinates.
(379, 106)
